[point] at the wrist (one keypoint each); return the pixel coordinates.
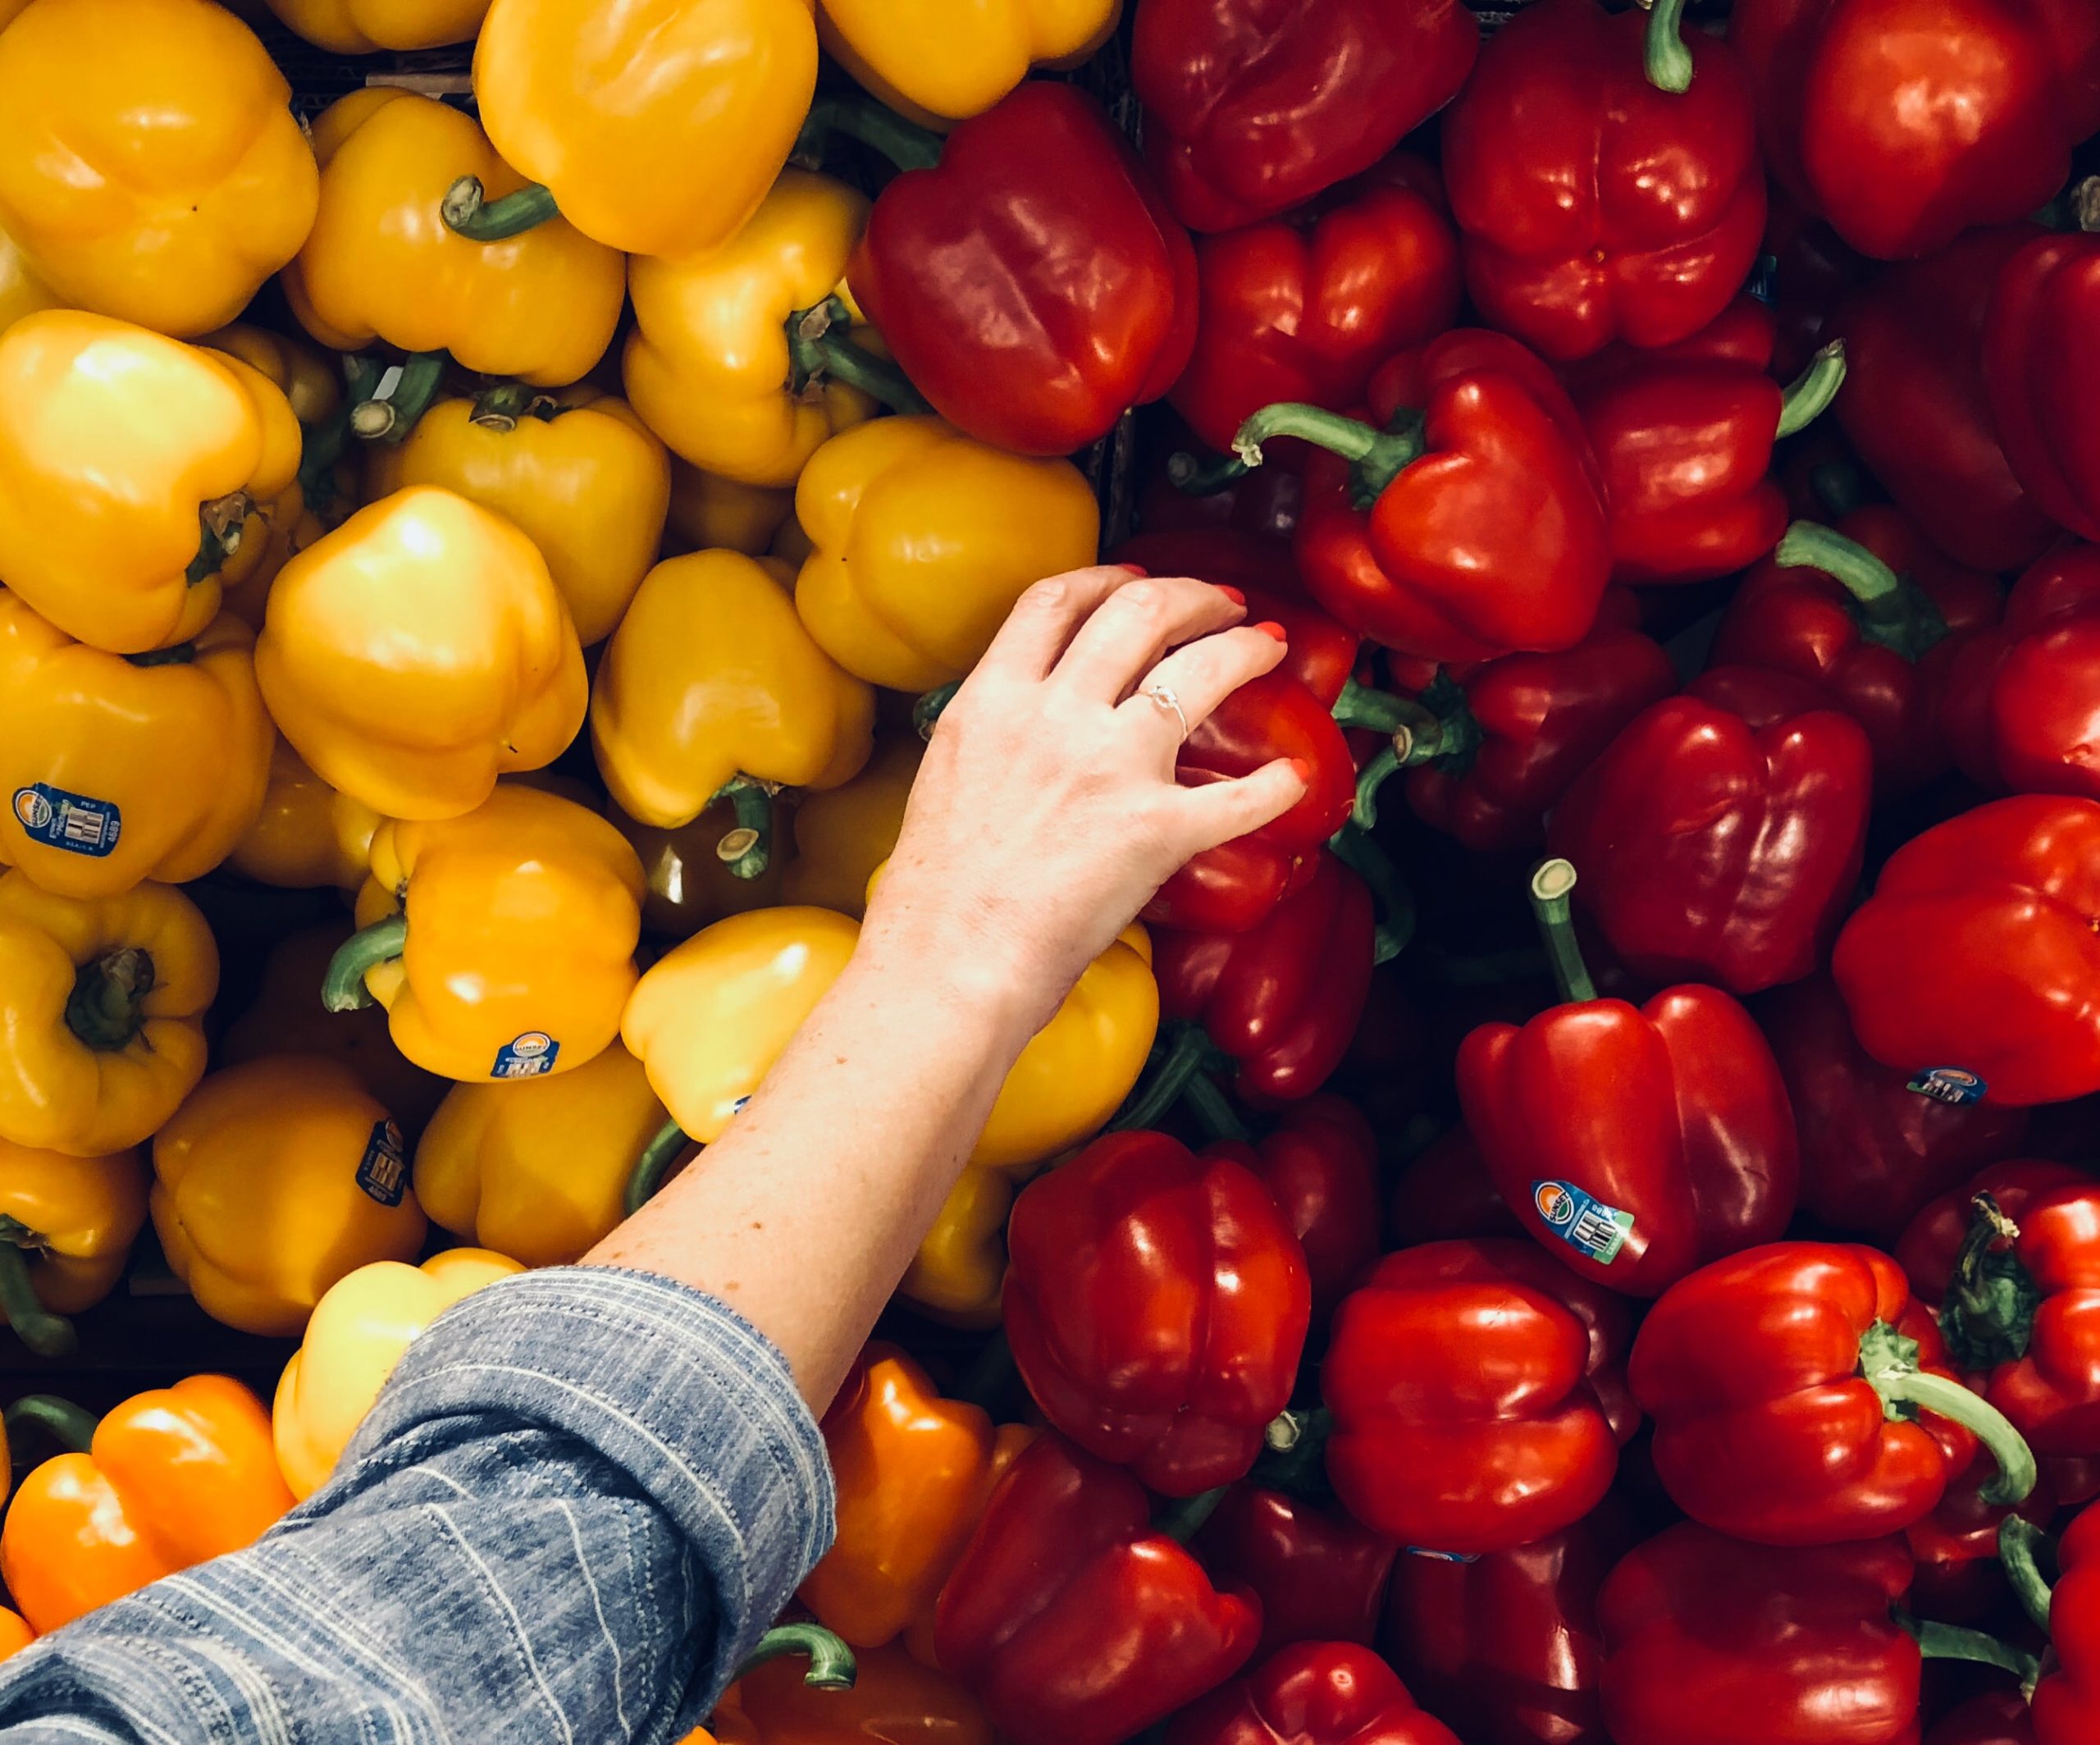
(967, 973)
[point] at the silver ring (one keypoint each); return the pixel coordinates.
(1164, 697)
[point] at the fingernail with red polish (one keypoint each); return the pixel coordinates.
(1131, 569)
(1233, 594)
(1270, 627)
(1303, 770)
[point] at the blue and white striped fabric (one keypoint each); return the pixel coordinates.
(580, 1500)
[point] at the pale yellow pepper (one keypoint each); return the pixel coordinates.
(940, 60)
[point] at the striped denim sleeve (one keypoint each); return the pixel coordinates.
(582, 1496)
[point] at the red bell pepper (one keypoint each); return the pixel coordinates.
(1905, 122)
(1634, 1142)
(1445, 1192)
(1976, 966)
(1252, 107)
(1961, 1578)
(1320, 1165)
(1506, 1647)
(2019, 707)
(1157, 1305)
(1465, 520)
(2067, 1702)
(1914, 405)
(1995, 1718)
(1873, 1149)
(1720, 835)
(1475, 1394)
(1313, 1693)
(1072, 1620)
(1032, 283)
(1787, 1385)
(1320, 1577)
(1810, 268)
(1229, 889)
(1877, 618)
(2040, 364)
(1598, 198)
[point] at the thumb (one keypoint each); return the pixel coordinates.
(1217, 812)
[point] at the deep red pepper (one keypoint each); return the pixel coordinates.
(1976, 966)
(1745, 332)
(1319, 1164)
(1629, 211)
(1474, 1389)
(1482, 528)
(1032, 283)
(1313, 1693)
(1959, 1578)
(1810, 268)
(1072, 1620)
(1320, 1577)
(2020, 708)
(2041, 365)
(1872, 1150)
(2067, 1702)
(1873, 614)
(1252, 107)
(1446, 1191)
(1156, 1305)
(1720, 835)
(1635, 1144)
(1995, 1718)
(1786, 1385)
(1915, 404)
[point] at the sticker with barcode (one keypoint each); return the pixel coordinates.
(383, 1171)
(526, 1056)
(1593, 1229)
(1954, 1085)
(77, 823)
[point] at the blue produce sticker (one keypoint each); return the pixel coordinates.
(1423, 1551)
(76, 822)
(1764, 280)
(1584, 1223)
(383, 1171)
(1954, 1085)
(526, 1056)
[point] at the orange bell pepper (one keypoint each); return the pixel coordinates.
(895, 1700)
(14, 1633)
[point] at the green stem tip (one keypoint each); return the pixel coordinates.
(72, 1426)
(1888, 1361)
(1379, 456)
(1808, 396)
(1193, 476)
(2019, 1546)
(832, 1664)
(665, 1146)
(818, 349)
(1666, 58)
(1947, 1642)
(342, 988)
(746, 848)
(468, 211)
(43, 1333)
(402, 394)
(107, 1007)
(1552, 885)
(1809, 545)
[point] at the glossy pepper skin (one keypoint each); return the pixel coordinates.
(1326, 1692)
(172, 1476)
(1072, 1620)
(419, 652)
(1033, 285)
(611, 113)
(2036, 359)
(1305, 306)
(2017, 705)
(843, 834)
(66, 1225)
(102, 1011)
(1319, 1164)
(923, 541)
(1708, 1637)
(1320, 1575)
(1474, 1394)
(367, 26)
(2067, 1703)
(105, 514)
(1720, 835)
(514, 955)
(359, 1330)
(1486, 528)
(939, 65)
(306, 836)
(1252, 107)
(1637, 212)
(1977, 953)
(110, 218)
(914, 1473)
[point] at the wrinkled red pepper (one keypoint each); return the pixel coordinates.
(1476, 1396)
(1801, 1397)
(1481, 526)
(2019, 707)
(1720, 835)
(2067, 1702)
(1314, 1693)
(1873, 614)
(1032, 283)
(1635, 1144)
(1976, 966)
(2040, 364)
(1319, 1164)
(1915, 406)
(1320, 1577)
(1156, 1305)
(1593, 204)
(1072, 1620)
(1252, 107)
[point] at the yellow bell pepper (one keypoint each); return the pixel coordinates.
(129, 465)
(123, 767)
(272, 1180)
(790, 545)
(150, 166)
(501, 943)
(577, 471)
(367, 26)
(689, 884)
(66, 1225)
(717, 362)
(359, 1331)
(711, 512)
(539, 1169)
(924, 540)
(379, 263)
(287, 1019)
(960, 1272)
(712, 687)
(657, 126)
(418, 651)
(937, 61)
(21, 291)
(102, 1014)
(307, 836)
(844, 833)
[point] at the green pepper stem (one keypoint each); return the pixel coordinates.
(219, 525)
(832, 1664)
(1355, 849)
(2019, 1544)
(500, 409)
(72, 1426)
(1947, 1642)
(342, 988)
(43, 1333)
(746, 849)
(905, 143)
(105, 1008)
(1211, 1107)
(179, 654)
(1808, 545)
(926, 711)
(468, 211)
(1663, 53)
(818, 347)
(1294, 1456)
(1551, 886)
(651, 1165)
(1382, 763)
(1808, 396)
(1899, 1384)
(402, 395)
(1381, 711)
(1182, 1521)
(1380, 456)
(1188, 1050)
(1193, 476)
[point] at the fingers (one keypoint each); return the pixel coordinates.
(1217, 812)
(1203, 673)
(1129, 632)
(1044, 619)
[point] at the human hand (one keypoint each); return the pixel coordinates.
(1046, 813)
